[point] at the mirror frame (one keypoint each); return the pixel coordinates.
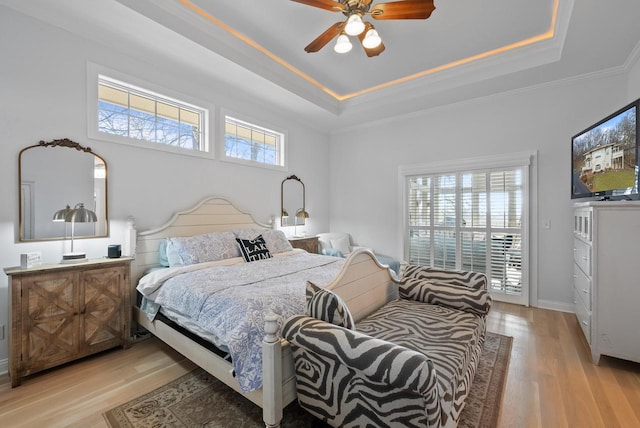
(64, 143)
(291, 177)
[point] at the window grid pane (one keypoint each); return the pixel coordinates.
(253, 143)
(474, 199)
(474, 254)
(132, 112)
(420, 247)
(419, 201)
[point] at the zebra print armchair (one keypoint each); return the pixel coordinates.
(408, 364)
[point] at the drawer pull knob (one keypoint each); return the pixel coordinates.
(585, 291)
(585, 323)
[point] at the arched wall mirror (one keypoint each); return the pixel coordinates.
(292, 202)
(56, 175)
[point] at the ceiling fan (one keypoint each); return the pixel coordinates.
(355, 10)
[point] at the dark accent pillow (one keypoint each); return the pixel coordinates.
(324, 305)
(254, 249)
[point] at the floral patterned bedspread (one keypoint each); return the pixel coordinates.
(231, 302)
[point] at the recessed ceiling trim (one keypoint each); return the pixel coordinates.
(206, 15)
(548, 35)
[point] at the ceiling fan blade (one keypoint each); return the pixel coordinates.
(325, 37)
(407, 9)
(370, 51)
(331, 5)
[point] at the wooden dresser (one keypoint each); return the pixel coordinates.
(62, 312)
(309, 244)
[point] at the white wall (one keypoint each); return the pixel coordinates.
(43, 97)
(364, 164)
(634, 77)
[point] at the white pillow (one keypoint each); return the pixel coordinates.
(324, 243)
(342, 245)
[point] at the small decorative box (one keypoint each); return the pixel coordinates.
(29, 260)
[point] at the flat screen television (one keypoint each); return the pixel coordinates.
(604, 157)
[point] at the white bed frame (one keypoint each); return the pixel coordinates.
(363, 283)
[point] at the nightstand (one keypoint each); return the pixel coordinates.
(309, 244)
(61, 312)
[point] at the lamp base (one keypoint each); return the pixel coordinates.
(74, 257)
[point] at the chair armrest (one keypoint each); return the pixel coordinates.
(461, 278)
(472, 300)
(379, 361)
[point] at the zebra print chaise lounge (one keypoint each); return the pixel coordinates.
(410, 363)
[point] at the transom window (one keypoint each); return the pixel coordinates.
(250, 143)
(132, 112)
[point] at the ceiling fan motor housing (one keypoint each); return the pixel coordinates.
(356, 6)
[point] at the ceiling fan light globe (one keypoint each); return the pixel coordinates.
(371, 39)
(343, 45)
(354, 25)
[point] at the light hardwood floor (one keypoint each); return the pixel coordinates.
(551, 380)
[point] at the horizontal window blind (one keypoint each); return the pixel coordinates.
(470, 220)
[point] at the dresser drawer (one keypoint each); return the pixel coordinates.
(583, 315)
(582, 285)
(582, 255)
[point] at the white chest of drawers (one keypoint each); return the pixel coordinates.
(606, 280)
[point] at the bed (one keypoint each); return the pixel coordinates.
(272, 385)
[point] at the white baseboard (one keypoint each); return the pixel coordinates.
(4, 366)
(556, 306)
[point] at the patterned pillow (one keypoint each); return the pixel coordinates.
(453, 296)
(276, 240)
(182, 251)
(324, 305)
(248, 233)
(254, 249)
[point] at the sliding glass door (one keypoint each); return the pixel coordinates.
(471, 220)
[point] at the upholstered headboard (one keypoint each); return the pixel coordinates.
(213, 214)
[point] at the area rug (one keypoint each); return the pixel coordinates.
(199, 400)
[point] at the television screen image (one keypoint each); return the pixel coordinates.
(604, 157)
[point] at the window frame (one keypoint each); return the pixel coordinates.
(95, 72)
(528, 162)
(224, 113)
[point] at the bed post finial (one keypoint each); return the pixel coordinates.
(129, 247)
(271, 327)
(271, 373)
